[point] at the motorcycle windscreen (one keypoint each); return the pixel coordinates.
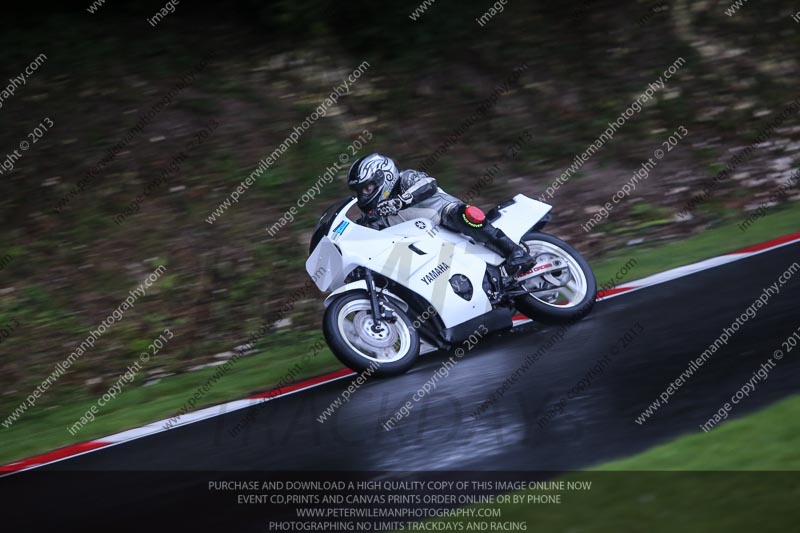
(324, 265)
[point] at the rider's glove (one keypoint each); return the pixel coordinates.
(389, 207)
(406, 199)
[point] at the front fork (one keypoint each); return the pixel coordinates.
(379, 313)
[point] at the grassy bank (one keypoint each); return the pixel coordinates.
(43, 429)
(713, 242)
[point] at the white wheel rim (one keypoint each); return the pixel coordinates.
(391, 343)
(569, 284)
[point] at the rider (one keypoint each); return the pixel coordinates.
(402, 196)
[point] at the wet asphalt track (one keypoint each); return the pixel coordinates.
(678, 319)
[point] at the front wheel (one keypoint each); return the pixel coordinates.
(559, 295)
(388, 350)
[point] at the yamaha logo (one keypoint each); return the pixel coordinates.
(420, 224)
(435, 273)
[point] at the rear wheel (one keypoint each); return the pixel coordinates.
(348, 325)
(565, 291)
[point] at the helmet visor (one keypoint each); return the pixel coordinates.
(367, 189)
(368, 195)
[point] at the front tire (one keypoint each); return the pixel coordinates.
(564, 295)
(347, 325)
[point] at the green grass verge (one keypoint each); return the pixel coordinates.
(44, 427)
(741, 476)
(725, 238)
(766, 440)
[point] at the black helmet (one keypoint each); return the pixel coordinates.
(372, 179)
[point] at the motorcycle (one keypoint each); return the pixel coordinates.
(396, 287)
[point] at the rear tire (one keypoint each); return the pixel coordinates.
(577, 279)
(390, 351)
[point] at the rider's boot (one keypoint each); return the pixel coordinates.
(517, 258)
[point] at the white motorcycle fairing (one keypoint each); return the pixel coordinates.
(416, 255)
